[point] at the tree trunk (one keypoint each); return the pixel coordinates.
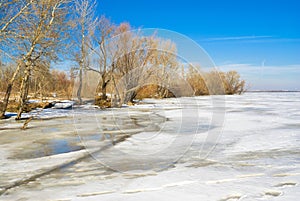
(80, 87)
(8, 92)
(129, 97)
(103, 87)
(103, 91)
(5, 101)
(116, 98)
(24, 92)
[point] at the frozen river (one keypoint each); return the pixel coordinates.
(205, 148)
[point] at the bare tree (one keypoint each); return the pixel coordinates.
(8, 91)
(104, 53)
(85, 23)
(233, 83)
(11, 13)
(42, 33)
(132, 63)
(195, 78)
(143, 60)
(166, 65)
(41, 78)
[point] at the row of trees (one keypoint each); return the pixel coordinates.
(42, 85)
(202, 83)
(56, 83)
(35, 34)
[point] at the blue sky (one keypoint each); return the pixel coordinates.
(260, 39)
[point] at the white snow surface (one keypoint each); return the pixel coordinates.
(177, 151)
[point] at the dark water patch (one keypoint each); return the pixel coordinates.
(96, 137)
(7, 116)
(40, 149)
(65, 165)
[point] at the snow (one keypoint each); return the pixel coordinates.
(63, 105)
(180, 149)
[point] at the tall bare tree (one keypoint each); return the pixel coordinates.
(143, 60)
(42, 32)
(85, 24)
(132, 62)
(103, 52)
(11, 14)
(166, 65)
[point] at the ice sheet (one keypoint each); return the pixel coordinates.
(256, 157)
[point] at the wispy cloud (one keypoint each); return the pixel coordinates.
(287, 68)
(251, 39)
(234, 38)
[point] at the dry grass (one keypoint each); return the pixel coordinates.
(102, 103)
(152, 91)
(13, 106)
(149, 91)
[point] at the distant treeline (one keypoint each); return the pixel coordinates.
(46, 83)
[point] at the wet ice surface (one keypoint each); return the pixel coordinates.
(161, 157)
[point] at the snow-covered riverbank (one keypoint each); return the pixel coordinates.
(161, 157)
